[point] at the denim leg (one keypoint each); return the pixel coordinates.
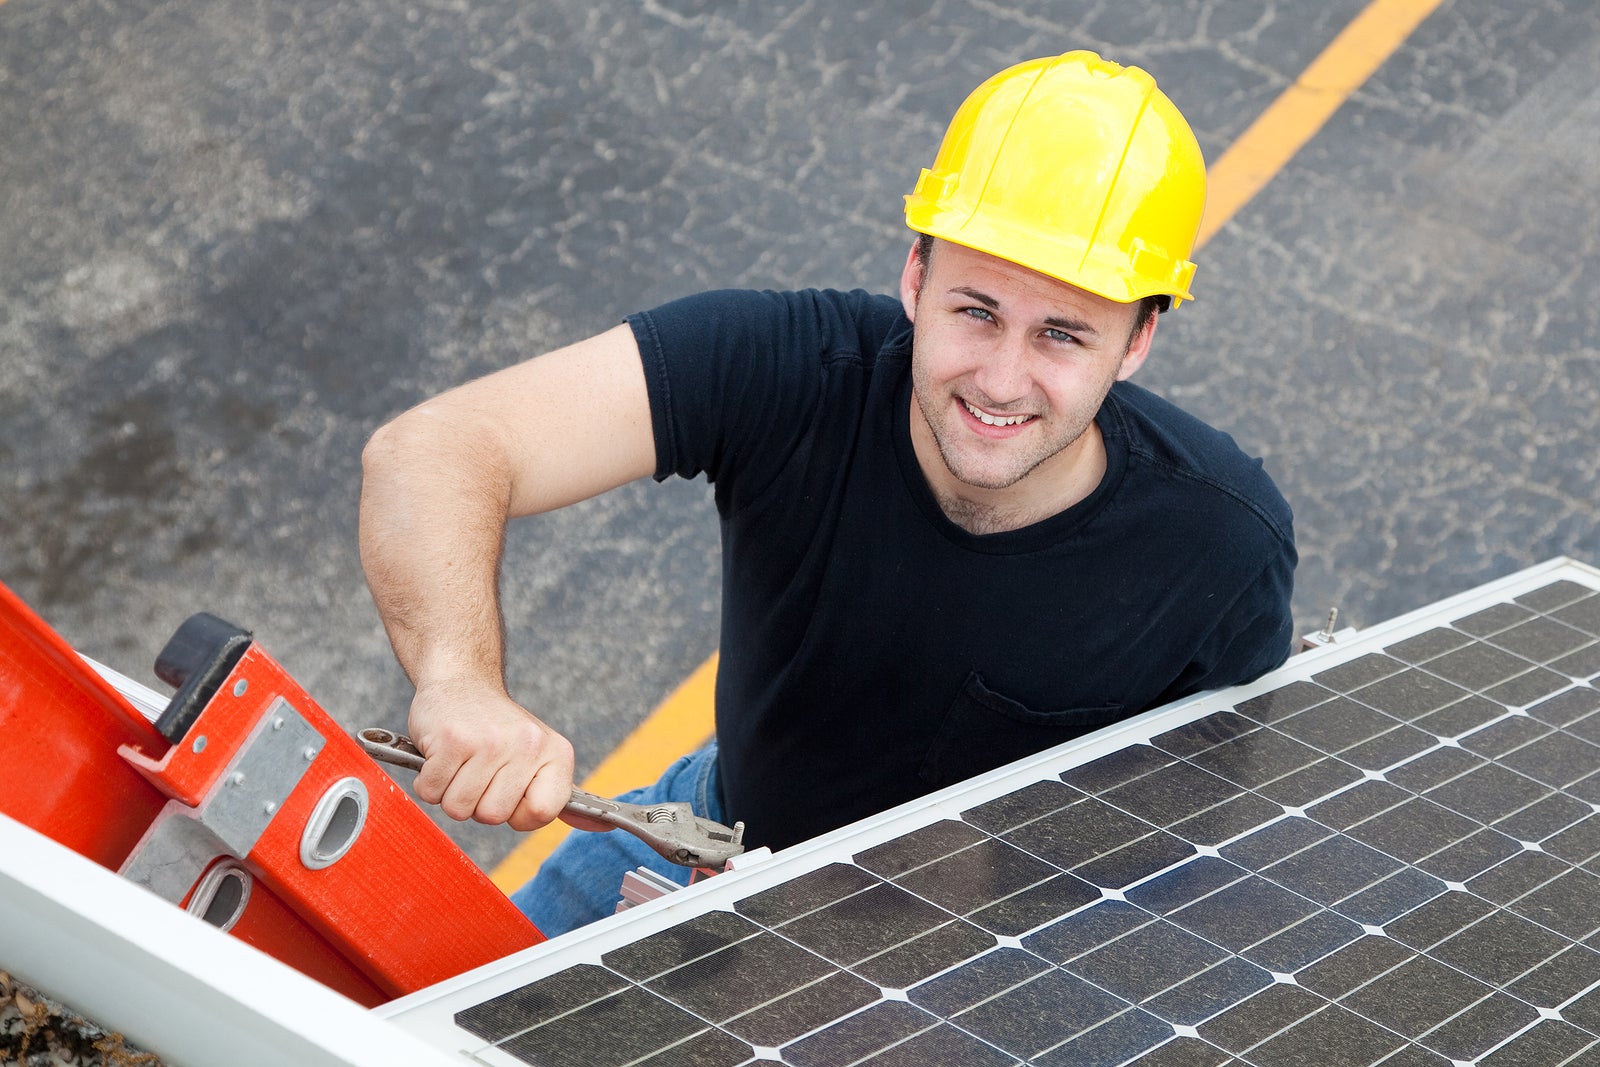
(582, 879)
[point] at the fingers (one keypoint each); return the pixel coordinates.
(526, 787)
(542, 803)
(527, 803)
(489, 760)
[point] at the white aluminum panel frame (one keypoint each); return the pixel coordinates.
(173, 985)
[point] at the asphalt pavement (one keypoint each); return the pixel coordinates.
(236, 236)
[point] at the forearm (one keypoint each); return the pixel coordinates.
(440, 483)
(434, 506)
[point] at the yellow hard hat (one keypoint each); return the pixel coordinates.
(1075, 167)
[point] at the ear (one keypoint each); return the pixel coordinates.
(1138, 349)
(911, 283)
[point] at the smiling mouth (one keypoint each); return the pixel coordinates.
(995, 420)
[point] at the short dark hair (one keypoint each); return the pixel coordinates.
(1149, 306)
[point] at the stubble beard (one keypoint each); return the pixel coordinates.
(939, 414)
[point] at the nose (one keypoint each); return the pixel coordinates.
(1002, 374)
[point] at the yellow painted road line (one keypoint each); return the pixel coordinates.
(681, 724)
(684, 721)
(1294, 118)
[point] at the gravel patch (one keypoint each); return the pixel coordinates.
(38, 1032)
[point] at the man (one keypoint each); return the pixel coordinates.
(953, 533)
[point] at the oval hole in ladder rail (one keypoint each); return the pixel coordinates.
(335, 824)
(221, 895)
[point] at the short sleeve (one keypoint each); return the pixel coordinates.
(736, 378)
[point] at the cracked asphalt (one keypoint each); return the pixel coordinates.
(237, 236)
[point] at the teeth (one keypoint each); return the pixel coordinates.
(996, 420)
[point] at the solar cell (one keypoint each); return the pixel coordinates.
(1387, 852)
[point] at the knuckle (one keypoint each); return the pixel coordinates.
(547, 808)
(531, 816)
(454, 741)
(523, 820)
(492, 811)
(558, 746)
(488, 815)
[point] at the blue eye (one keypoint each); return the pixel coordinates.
(982, 314)
(1060, 336)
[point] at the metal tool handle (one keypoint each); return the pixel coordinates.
(386, 746)
(672, 829)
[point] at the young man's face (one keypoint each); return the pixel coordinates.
(1008, 370)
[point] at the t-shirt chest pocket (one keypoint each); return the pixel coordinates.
(983, 730)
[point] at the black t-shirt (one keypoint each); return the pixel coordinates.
(872, 650)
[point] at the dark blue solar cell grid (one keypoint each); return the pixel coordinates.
(1394, 861)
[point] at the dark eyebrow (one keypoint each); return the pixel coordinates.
(1077, 326)
(983, 298)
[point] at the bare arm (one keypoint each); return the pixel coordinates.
(440, 483)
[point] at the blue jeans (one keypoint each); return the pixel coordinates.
(582, 879)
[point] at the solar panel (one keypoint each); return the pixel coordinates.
(1388, 851)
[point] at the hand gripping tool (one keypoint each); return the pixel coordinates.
(671, 828)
